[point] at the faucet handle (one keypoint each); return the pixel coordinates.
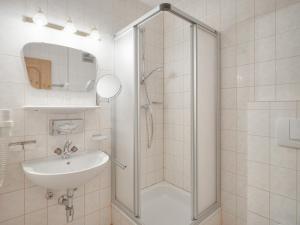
(74, 149)
(58, 151)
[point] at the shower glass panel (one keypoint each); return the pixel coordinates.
(207, 119)
(165, 94)
(124, 114)
(166, 119)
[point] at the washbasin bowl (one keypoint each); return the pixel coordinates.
(57, 173)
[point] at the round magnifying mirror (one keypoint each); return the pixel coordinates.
(108, 87)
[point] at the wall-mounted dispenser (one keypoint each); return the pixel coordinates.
(65, 126)
(6, 125)
(288, 131)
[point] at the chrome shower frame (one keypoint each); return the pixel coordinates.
(196, 24)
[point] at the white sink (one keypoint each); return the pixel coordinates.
(57, 173)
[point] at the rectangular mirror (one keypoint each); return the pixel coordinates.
(54, 67)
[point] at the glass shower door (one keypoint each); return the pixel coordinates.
(206, 113)
(125, 135)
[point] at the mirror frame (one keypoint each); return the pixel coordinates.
(99, 98)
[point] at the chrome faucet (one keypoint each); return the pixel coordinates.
(66, 152)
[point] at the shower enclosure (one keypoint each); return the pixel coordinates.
(165, 134)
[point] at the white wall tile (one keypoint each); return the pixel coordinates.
(241, 164)
(245, 53)
(287, 18)
(14, 221)
(229, 182)
(14, 178)
(265, 49)
(242, 186)
(242, 125)
(92, 202)
(228, 161)
(35, 199)
(12, 69)
(31, 125)
(264, 6)
(228, 202)
(36, 218)
(282, 210)
(253, 218)
(92, 219)
(258, 201)
(265, 73)
(14, 95)
(258, 149)
(265, 25)
(229, 77)
(8, 210)
(265, 93)
(244, 96)
(229, 119)
(287, 70)
(288, 92)
(56, 215)
(283, 157)
(245, 9)
(287, 44)
(283, 182)
(245, 75)
(258, 122)
(245, 31)
(228, 98)
(228, 140)
(228, 57)
(258, 175)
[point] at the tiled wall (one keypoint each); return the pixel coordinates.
(277, 52)
(177, 95)
(152, 158)
(167, 44)
(273, 176)
(21, 202)
(260, 49)
(259, 53)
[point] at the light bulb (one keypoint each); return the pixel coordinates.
(70, 27)
(40, 19)
(95, 34)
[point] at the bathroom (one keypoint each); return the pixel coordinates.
(138, 116)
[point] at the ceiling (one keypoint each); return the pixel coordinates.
(153, 3)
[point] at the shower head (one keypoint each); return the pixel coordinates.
(157, 69)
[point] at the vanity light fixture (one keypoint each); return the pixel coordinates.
(70, 27)
(40, 19)
(95, 34)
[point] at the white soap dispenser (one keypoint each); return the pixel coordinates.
(6, 125)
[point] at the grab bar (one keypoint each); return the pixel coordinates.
(116, 162)
(122, 166)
